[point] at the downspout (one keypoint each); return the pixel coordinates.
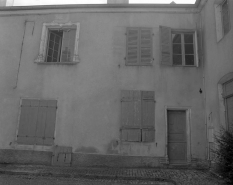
(21, 51)
(203, 79)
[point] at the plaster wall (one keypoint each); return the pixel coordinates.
(218, 63)
(88, 94)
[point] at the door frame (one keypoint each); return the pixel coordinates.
(188, 130)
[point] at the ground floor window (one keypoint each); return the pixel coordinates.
(228, 98)
(37, 122)
(137, 116)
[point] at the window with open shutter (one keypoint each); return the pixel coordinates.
(178, 47)
(139, 46)
(37, 122)
(137, 116)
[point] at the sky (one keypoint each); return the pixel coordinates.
(49, 2)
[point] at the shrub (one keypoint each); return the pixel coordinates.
(224, 154)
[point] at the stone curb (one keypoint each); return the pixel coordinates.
(87, 176)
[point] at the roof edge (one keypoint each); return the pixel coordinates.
(112, 6)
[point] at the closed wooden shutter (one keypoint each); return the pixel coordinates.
(37, 122)
(146, 46)
(50, 122)
(148, 116)
(132, 53)
(131, 115)
(27, 122)
(165, 45)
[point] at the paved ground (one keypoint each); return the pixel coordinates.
(38, 180)
(114, 175)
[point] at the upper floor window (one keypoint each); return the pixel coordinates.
(225, 17)
(178, 47)
(222, 18)
(59, 43)
(139, 46)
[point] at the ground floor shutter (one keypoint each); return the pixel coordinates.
(130, 115)
(37, 122)
(137, 116)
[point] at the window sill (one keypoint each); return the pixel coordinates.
(141, 65)
(57, 63)
(137, 142)
(184, 66)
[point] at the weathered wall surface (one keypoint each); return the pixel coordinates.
(88, 94)
(218, 63)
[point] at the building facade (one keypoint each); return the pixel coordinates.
(114, 84)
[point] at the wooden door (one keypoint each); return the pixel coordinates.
(177, 140)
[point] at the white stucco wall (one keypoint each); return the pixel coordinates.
(88, 94)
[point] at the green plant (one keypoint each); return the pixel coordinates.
(224, 154)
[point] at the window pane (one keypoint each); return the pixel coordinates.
(176, 48)
(177, 59)
(225, 17)
(176, 38)
(55, 54)
(68, 45)
(56, 46)
(189, 59)
(51, 44)
(189, 49)
(50, 52)
(188, 38)
(49, 59)
(52, 36)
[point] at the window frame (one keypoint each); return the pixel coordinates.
(41, 58)
(139, 63)
(182, 32)
(225, 96)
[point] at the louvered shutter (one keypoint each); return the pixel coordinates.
(37, 122)
(148, 116)
(165, 45)
(131, 115)
(132, 53)
(27, 122)
(145, 46)
(46, 122)
(50, 122)
(196, 49)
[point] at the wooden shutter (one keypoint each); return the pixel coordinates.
(37, 122)
(146, 46)
(165, 45)
(148, 116)
(131, 115)
(132, 53)
(196, 49)
(50, 122)
(27, 122)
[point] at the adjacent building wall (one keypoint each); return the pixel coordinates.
(218, 63)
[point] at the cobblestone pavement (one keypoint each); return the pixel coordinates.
(174, 176)
(38, 180)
